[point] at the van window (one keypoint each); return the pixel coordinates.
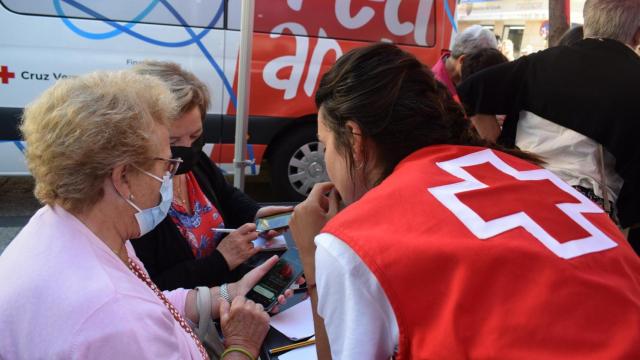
(208, 13)
(406, 22)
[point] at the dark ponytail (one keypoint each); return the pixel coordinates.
(397, 103)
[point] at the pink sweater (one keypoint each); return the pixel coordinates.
(65, 295)
(441, 74)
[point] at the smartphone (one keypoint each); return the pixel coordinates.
(281, 276)
(273, 222)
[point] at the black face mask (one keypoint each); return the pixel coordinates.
(189, 155)
(198, 144)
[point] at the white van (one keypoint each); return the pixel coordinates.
(294, 41)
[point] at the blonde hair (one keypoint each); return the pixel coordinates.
(188, 90)
(79, 129)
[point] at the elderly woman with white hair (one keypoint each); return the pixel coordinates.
(72, 286)
(448, 70)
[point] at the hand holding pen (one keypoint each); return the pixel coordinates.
(237, 247)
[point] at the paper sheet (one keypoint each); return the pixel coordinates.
(303, 353)
(295, 322)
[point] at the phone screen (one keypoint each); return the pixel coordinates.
(277, 280)
(272, 222)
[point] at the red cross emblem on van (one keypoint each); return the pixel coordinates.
(5, 74)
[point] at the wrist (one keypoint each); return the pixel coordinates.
(223, 253)
(225, 293)
(229, 259)
(232, 290)
(190, 311)
(240, 347)
(309, 269)
(215, 302)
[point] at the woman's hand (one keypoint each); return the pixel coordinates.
(309, 217)
(244, 324)
(237, 247)
(272, 210)
(250, 279)
(282, 299)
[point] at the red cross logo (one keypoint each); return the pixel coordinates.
(5, 74)
(541, 203)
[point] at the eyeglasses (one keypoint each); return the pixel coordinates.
(172, 164)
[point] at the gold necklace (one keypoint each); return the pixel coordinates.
(180, 198)
(125, 260)
(119, 252)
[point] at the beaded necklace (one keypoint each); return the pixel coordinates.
(176, 315)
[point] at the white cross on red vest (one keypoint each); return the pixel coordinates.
(559, 224)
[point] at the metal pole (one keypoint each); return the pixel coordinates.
(242, 107)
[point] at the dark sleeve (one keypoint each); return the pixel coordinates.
(209, 271)
(171, 264)
(237, 207)
(497, 90)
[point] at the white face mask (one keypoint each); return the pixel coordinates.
(148, 219)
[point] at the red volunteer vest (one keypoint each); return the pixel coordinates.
(484, 255)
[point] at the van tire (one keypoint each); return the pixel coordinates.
(296, 163)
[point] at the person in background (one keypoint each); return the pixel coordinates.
(480, 60)
(447, 248)
(572, 36)
(507, 49)
(449, 68)
(184, 250)
(526, 50)
(72, 285)
(575, 106)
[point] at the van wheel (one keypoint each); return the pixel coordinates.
(297, 164)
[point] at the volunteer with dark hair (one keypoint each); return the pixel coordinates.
(575, 106)
(185, 250)
(446, 248)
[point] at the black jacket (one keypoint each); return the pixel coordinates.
(591, 87)
(168, 257)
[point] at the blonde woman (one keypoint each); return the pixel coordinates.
(184, 250)
(72, 286)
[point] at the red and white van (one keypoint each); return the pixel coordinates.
(294, 42)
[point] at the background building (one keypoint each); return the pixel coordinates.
(523, 22)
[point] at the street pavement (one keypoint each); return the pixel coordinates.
(17, 204)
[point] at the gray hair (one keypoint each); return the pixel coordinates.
(612, 19)
(473, 39)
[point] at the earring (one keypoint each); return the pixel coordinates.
(131, 197)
